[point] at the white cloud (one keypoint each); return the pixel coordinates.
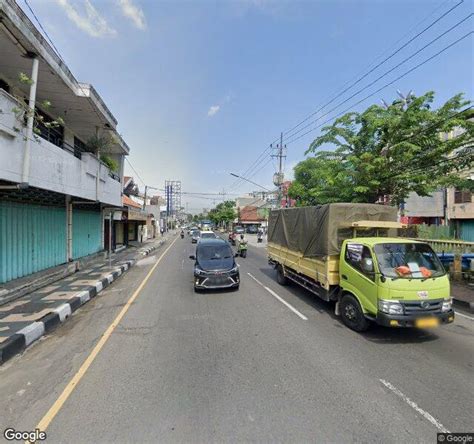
(133, 12)
(90, 21)
(213, 110)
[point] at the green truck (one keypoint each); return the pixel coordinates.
(351, 254)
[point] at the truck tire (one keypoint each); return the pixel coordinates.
(352, 314)
(281, 278)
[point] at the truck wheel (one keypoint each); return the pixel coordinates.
(281, 278)
(352, 314)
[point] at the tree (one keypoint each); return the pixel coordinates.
(223, 213)
(388, 151)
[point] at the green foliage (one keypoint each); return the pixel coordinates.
(111, 163)
(388, 152)
(23, 78)
(99, 143)
(223, 213)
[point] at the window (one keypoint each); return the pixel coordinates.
(409, 261)
(359, 257)
(462, 196)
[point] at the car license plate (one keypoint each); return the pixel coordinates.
(427, 322)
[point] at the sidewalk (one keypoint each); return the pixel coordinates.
(26, 319)
(463, 295)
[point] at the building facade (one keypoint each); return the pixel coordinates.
(61, 158)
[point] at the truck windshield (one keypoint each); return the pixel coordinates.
(410, 260)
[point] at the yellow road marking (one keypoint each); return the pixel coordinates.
(53, 411)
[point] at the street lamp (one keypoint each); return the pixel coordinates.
(247, 180)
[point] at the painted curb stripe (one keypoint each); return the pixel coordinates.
(12, 346)
(74, 303)
(64, 311)
(32, 332)
(50, 321)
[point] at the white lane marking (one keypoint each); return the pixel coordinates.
(415, 406)
(463, 315)
(293, 309)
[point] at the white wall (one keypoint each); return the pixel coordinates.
(52, 168)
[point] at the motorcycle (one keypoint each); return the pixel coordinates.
(232, 237)
(242, 249)
(259, 238)
(182, 234)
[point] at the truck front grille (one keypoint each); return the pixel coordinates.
(431, 306)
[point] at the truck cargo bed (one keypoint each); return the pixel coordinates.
(324, 270)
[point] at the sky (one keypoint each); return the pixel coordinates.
(201, 88)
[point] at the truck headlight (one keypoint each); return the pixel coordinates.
(447, 305)
(390, 307)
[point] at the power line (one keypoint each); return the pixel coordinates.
(452, 28)
(260, 158)
(135, 171)
(44, 31)
(384, 86)
(374, 68)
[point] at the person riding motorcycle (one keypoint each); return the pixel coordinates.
(182, 234)
(242, 246)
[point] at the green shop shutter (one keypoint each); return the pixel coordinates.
(86, 232)
(32, 238)
(467, 230)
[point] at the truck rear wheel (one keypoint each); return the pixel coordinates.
(281, 278)
(352, 314)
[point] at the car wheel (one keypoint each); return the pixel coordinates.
(281, 278)
(352, 314)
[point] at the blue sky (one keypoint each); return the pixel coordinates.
(200, 88)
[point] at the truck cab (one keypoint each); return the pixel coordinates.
(394, 282)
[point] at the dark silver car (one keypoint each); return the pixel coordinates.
(215, 265)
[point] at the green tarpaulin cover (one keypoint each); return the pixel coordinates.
(320, 230)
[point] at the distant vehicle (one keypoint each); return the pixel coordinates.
(191, 229)
(195, 235)
(239, 230)
(207, 235)
(215, 265)
(252, 229)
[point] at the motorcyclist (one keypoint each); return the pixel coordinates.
(182, 233)
(242, 245)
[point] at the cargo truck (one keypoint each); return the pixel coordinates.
(351, 254)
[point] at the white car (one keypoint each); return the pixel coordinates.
(207, 235)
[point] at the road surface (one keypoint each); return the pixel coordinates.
(265, 363)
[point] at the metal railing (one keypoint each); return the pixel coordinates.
(449, 246)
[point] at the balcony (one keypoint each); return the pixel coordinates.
(53, 168)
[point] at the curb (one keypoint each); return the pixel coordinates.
(22, 339)
(469, 306)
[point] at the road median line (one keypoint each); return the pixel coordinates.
(279, 298)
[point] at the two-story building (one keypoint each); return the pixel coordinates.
(61, 157)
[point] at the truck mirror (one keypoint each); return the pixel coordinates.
(192, 257)
(367, 265)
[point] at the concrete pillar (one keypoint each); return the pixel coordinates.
(30, 121)
(68, 228)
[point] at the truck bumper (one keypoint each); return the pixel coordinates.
(412, 321)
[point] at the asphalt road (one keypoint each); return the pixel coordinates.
(266, 363)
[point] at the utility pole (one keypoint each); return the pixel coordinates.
(279, 176)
